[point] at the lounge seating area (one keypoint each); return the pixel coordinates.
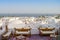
(28, 28)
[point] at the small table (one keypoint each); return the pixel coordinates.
(53, 37)
(21, 37)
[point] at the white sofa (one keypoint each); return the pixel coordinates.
(23, 31)
(7, 33)
(44, 31)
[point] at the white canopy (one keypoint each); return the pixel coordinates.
(51, 21)
(16, 24)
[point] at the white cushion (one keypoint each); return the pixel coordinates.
(23, 32)
(47, 32)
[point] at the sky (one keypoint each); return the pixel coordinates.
(30, 6)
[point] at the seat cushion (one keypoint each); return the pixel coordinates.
(47, 32)
(22, 32)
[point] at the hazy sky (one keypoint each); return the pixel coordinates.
(29, 6)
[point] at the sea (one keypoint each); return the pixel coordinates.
(23, 15)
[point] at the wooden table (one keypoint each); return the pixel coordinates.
(53, 37)
(21, 37)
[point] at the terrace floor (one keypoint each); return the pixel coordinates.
(38, 37)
